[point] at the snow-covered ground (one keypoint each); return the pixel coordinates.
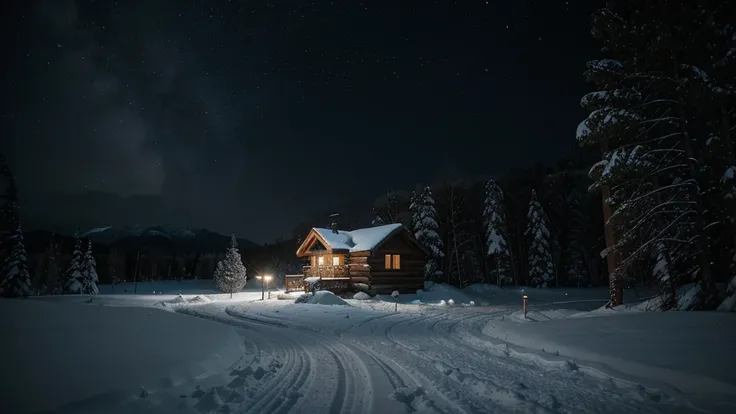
(444, 350)
(72, 358)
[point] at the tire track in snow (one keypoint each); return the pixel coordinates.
(583, 391)
(286, 356)
(421, 373)
(292, 378)
(280, 392)
(349, 395)
(389, 335)
(230, 312)
(470, 390)
(340, 398)
(511, 360)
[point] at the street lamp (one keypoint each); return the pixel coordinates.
(267, 279)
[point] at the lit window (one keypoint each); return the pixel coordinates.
(392, 261)
(397, 261)
(320, 261)
(335, 260)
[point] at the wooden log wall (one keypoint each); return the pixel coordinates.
(408, 279)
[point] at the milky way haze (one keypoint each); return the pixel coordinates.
(246, 116)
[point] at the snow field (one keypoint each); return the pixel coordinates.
(361, 356)
(672, 350)
(74, 358)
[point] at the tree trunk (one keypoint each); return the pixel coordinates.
(615, 284)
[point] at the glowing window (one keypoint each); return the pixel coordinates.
(320, 261)
(392, 261)
(335, 260)
(397, 261)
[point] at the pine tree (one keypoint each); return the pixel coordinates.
(73, 282)
(230, 274)
(642, 119)
(496, 245)
(15, 280)
(89, 273)
(424, 220)
(54, 281)
(662, 272)
(392, 207)
(574, 252)
(541, 272)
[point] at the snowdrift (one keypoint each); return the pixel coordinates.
(672, 348)
(165, 287)
(60, 354)
(323, 297)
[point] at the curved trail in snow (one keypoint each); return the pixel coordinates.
(338, 360)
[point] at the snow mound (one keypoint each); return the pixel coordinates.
(415, 399)
(362, 296)
(286, 296)
(200, 299)
(686, 296)
(178, 299)
(438, 293)
(729, 304)
(323, 297)
(113, 352)
(181, 300)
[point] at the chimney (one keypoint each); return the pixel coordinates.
(333, 225)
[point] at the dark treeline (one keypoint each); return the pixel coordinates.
(575, 224)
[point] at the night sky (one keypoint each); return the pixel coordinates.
(247, 116)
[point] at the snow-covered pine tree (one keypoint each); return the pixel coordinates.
(662, 272)
(89, 273)
(230, 274)
(73, 282)
(541, 272)
(496, 246)
(424, 220)
(711, 81)
(640, 118)
(15, 280)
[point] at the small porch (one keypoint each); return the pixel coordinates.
(335, 278)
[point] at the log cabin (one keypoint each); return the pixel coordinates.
(385, 258)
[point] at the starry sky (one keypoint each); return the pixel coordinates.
(246, 116)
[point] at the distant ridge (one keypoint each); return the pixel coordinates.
(136, 237)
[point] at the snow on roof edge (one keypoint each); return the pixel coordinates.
(357, 240)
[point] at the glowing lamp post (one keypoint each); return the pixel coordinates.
(523, 304)
(267, 280)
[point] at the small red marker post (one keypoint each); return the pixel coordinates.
(523, 304)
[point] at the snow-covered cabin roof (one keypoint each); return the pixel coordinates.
(356, 240)
(359, 240)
